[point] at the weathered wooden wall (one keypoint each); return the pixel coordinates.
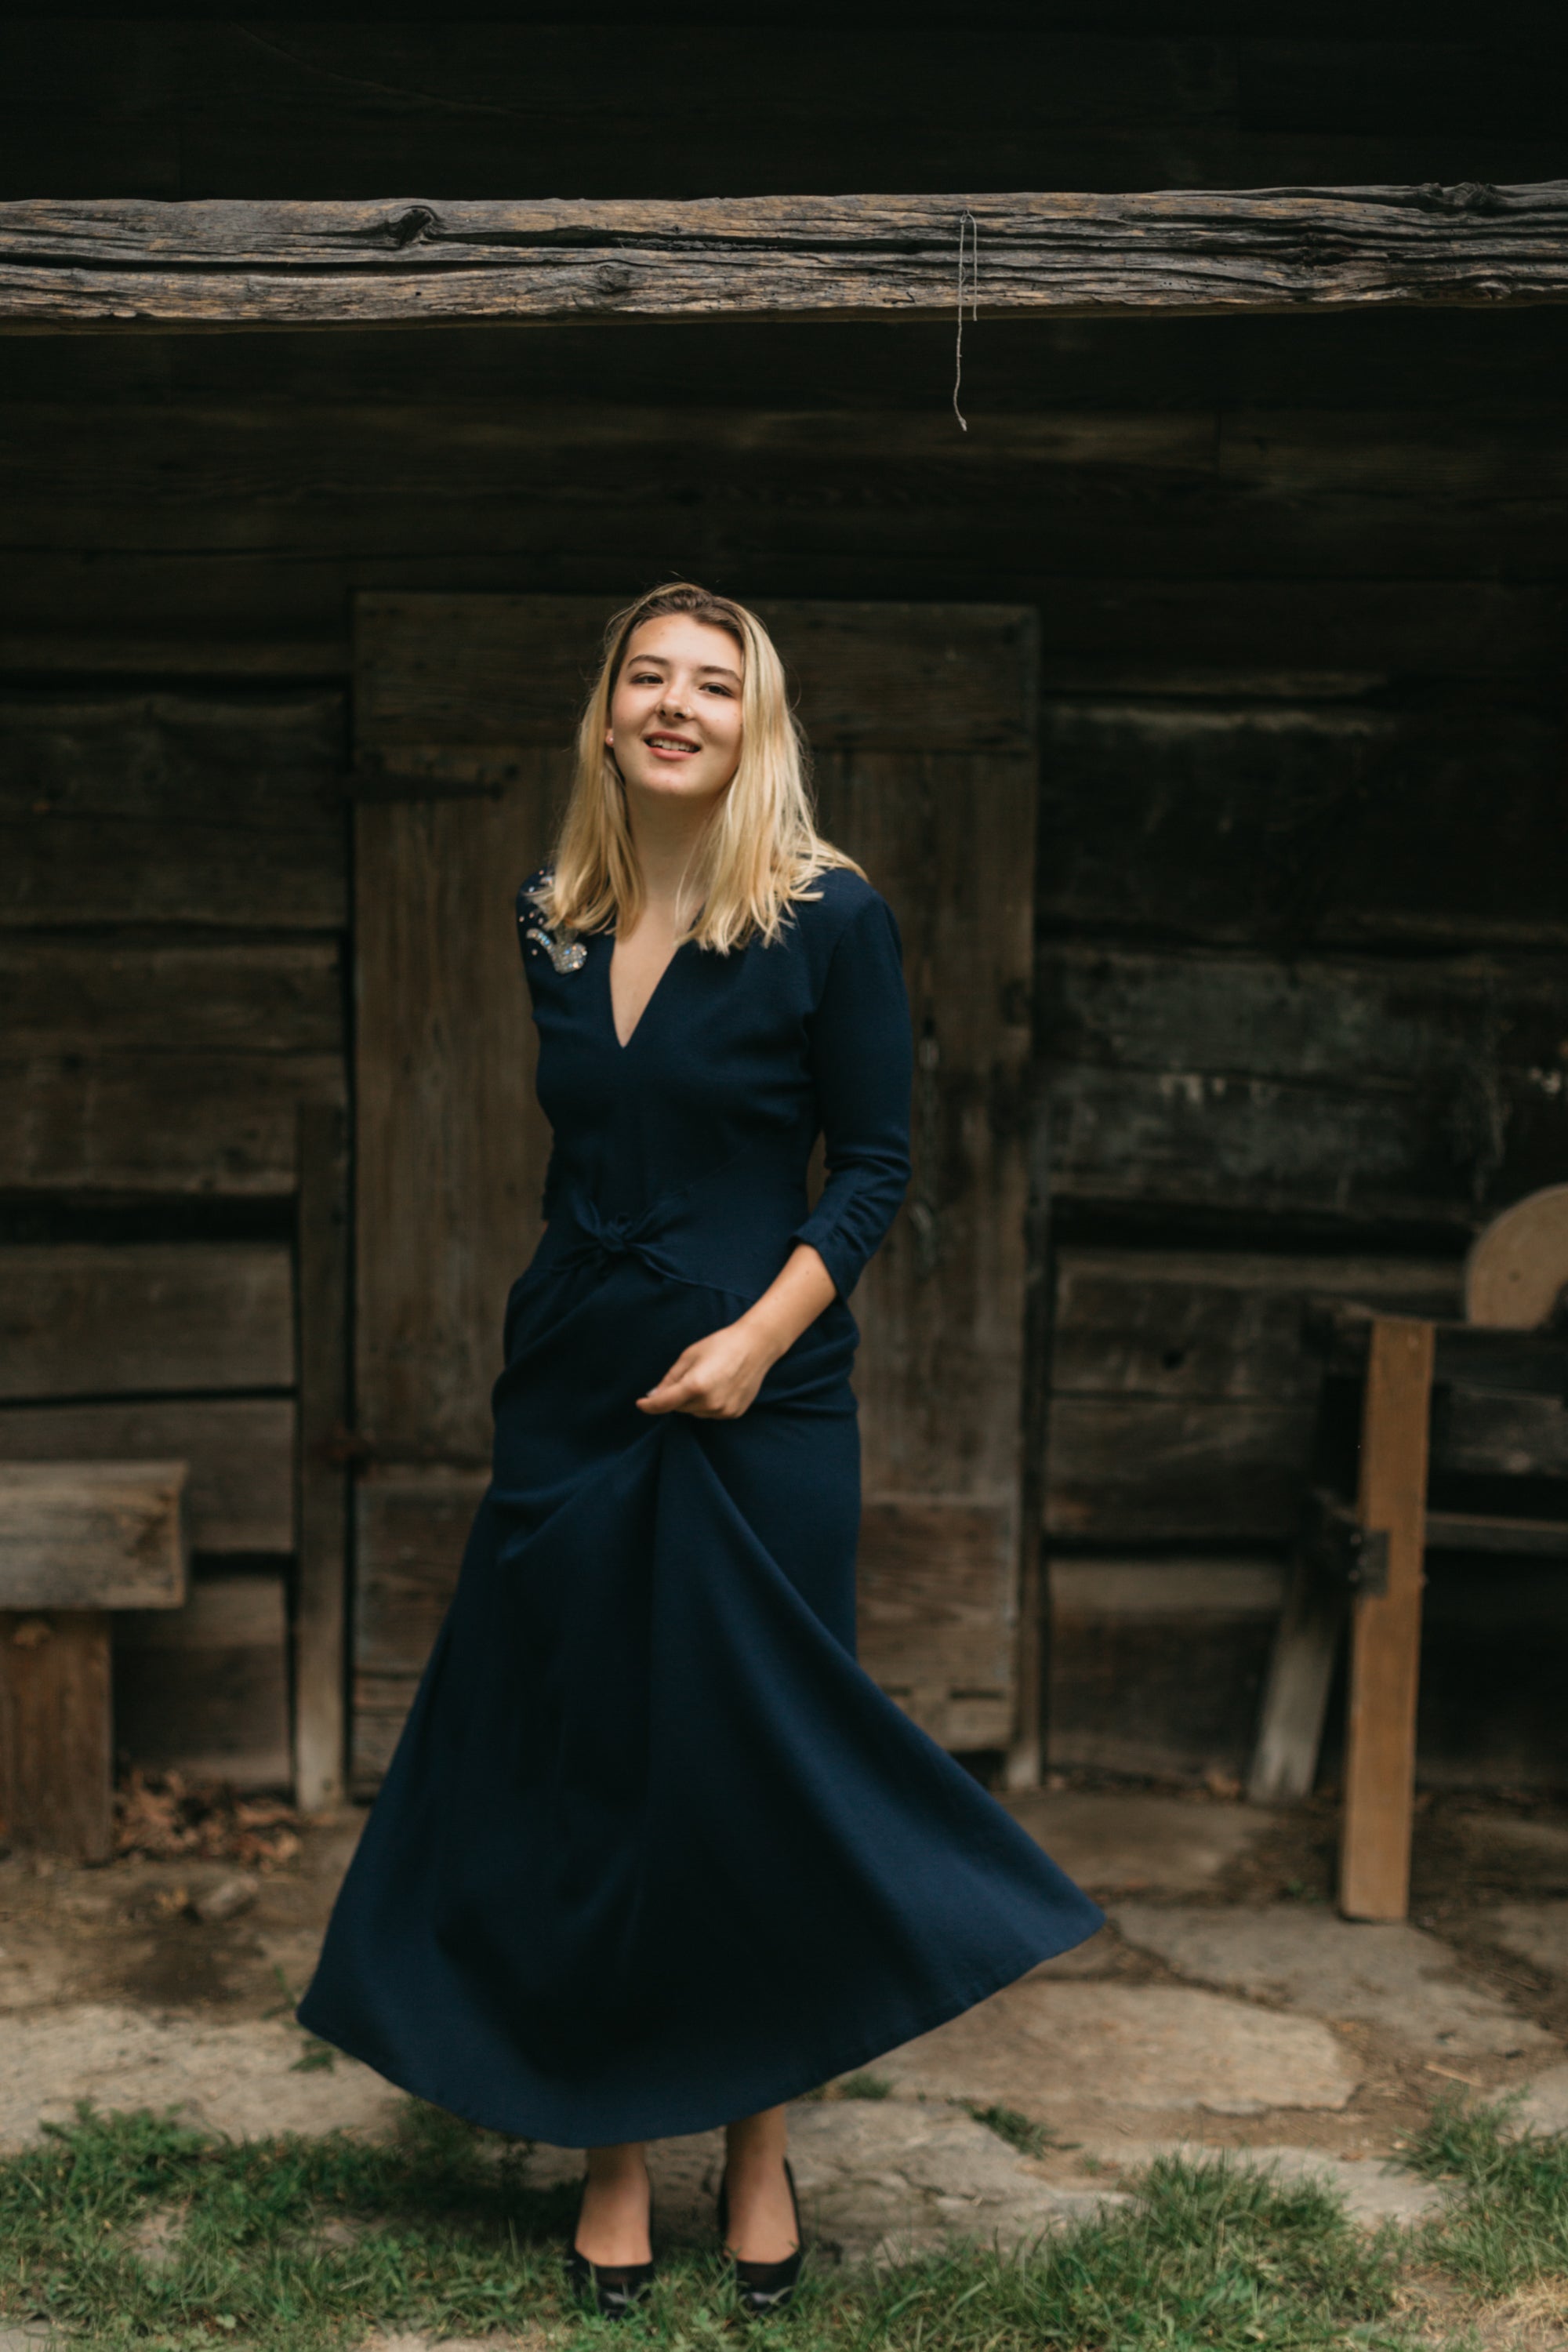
(1302, 914)
(822, 99)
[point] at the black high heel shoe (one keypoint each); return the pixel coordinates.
(609, 2288)
(763, 2288)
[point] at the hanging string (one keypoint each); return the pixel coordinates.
(965, 219)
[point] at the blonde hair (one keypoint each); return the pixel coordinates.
(760, 847)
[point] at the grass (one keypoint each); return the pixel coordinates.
(1506, 2227)
(134, 2232)
(1019, 2131)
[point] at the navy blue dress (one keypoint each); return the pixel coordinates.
(654, 1851)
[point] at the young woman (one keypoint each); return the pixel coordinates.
(654, 1853)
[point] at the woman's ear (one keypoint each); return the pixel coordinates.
(609, 739)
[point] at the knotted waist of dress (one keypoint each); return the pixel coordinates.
(733, 1235)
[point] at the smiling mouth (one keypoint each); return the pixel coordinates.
(669, 744)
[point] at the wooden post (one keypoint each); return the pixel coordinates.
(1385, 1629)
(1026, 1754)
(76, 1540)
(56, 1740)
(320, 1601)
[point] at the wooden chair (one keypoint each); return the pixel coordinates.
(76, 1540)
(1367, 1525)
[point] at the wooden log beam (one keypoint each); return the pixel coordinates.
(414, 261)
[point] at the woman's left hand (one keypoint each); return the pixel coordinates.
(716, 1377)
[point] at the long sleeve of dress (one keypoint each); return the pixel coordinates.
(862, 1058)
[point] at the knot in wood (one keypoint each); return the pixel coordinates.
(408, 227)
(614, 278)
(1463, 196)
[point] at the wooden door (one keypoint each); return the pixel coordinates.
(921, 718)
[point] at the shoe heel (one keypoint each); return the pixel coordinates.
(610, 2289)
(762, 2288)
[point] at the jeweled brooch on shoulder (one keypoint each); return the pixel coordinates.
(566, 953)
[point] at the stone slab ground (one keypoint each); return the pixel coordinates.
(1225, 2007)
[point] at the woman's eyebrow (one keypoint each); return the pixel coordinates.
(704, 670)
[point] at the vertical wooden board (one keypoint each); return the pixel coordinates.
(322, 1532)
(56, 1732)
(1385, 1633)
(1296, 1692)
(451, 1148)
(950, 841)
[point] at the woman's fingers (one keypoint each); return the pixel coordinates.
(713, 1377)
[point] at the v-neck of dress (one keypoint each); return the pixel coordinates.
(625, 1044)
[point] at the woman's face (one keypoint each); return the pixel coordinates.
(675, 713)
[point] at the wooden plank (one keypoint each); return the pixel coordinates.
(1296, 1694)
(82, 1318)
(1142, 1469)
(166, 807)
(1345, 820)
(448, 684)
(1385, 1627)
(133, 1068)
(240, 1451)
(128, 612)
(449, 1139)
(204, 1689)
(56, 1737)
(380, 1703)
(1477, 1435)
(128, 263)
(1301, 1019)
(411, 1525)
(1339, 1088)
(1410, 361)
(1477, 1532)
(935, 1579)
(93, 1535)
(1184, 1396)
(321, 1591)
(1476, 1360)
(1156, 1664)
(430, 494)
(1217, 1324)
(199, 1125)
(115, 994)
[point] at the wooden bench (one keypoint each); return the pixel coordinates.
(1365, 1531)
(78, 1540)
